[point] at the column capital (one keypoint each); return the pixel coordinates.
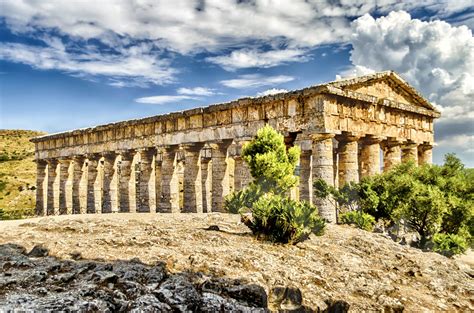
(192, 147)
(392, 142)
(40, 161)
(409, 144)
(52, 160)
(126, 153)
(347, 137)
(372, 139)
(426, 145)
(321, 136)
(64, 160)
(78, 157)
(108, 154)
(93, 156)
(304, 142)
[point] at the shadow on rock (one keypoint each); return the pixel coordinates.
(35, 281)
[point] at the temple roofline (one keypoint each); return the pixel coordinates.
(333, 88)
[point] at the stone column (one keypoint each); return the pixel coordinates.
(124, 173)
(322, 159)
(306, 178)
(348, 159)
(410, 152)
(425, 154)
(167, 171)
(108, 189)
(158, 178)
(92, 173)
(51, 194)
(391, 154)
(63, 177)
(192, 178)
(78, 162)
(242, 176)
(143, 190)
(206, 179)
(370, 156)
(40, 180)
(220, 183)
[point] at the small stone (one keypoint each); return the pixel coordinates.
(337, 306)
(213, 228)
(293, 299)
(76, 256)
(104, 277)
(38, 251)
(252, 294)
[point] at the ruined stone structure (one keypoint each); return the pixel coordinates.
(189, 161)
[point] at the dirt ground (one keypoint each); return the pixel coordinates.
(369, 271)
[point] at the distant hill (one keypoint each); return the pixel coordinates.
(17, 172)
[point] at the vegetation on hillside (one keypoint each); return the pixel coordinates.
(273, 215)
(437, 202)
(17, 173)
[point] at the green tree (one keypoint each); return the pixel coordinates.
(272, 214)
(270, 163)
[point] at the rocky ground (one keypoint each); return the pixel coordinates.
(178, 262)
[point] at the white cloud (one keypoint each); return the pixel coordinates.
(134, 66)
(272, 91)
(280, 31)
(245, 58)
(163, 99)
(435, 57)
(256, 80)
(196, 91)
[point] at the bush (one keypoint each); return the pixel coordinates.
(429, 199)
(273, 215)
(360, 219)
(449, 244)
(281, 219)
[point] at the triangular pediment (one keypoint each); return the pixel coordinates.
(385, 85)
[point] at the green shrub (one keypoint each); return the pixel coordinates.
(4, 157)
(449, 244)
(360, 219)
(3, 185)
(273, 215)
(281, 219)
(243, 200)
(270, 163)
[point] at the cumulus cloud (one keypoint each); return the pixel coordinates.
(136, 66)
(164, 99)
(255, 81)
(435, 57)
(197, 91)
(245, 58)
(272, 91)
(280, 32)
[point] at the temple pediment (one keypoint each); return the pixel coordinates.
(389, 89)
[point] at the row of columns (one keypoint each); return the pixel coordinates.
(340, 159)
(185, 178)
(196, 177)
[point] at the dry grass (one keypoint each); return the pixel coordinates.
(17, 172)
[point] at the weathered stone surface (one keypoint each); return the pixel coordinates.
(354, 111)
(122, 286)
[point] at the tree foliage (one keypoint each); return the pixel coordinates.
(429, 199)
(270, 163)
(273, 215)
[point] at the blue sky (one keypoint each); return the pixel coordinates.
(73, 64)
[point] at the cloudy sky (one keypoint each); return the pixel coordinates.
(77, 63)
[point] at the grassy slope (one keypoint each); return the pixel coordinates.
(17, 172)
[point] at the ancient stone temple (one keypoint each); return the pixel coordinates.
(189, 161)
